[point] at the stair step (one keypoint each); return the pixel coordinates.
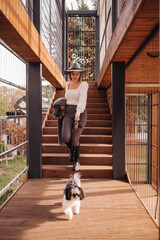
(98, 110)
(97, 100)
(97, 105)
(84, 148)
(86, 131)
(99, 116)
(63, 171)
(83, 139)
(90, 123)
(95, 141)
(85, 159)
(90, 117)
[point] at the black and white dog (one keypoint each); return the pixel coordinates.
(73, 193)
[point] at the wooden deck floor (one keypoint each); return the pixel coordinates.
(111, 210)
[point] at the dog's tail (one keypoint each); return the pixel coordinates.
(76, 178)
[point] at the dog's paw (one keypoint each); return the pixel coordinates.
(68, 214)
(76, 212)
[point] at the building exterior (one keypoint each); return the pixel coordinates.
(124, 61)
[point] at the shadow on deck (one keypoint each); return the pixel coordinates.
(111, 210)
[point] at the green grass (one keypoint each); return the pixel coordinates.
(8, 172)
(136, 160)
(6, 195)
(137, 173)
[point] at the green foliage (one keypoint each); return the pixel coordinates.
(47, 91)
(136, 109)
(4, 100)
(4, 197)
(81, 39)
(82, 5)
(2, 148)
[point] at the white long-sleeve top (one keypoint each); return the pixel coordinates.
(77, 96)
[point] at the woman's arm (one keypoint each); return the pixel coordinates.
(83, 90)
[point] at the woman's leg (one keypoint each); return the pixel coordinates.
(75, 140)
(67, 129)
(76, 133)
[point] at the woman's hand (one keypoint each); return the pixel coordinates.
(77, 117)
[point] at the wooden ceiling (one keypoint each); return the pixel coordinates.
(19, 33)
(143, 73)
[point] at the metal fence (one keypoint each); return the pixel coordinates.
(81, 42)
(13, 118)
(142, 125)
(105, 29)
(104, 12)
(51, 26)
(51, 34)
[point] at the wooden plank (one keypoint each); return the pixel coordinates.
(154, 175)
(155, 99)
(155, 115)
(19, 33)
(155, 135)
(110, 210)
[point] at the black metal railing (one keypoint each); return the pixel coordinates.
(13, 122)
(142, 124)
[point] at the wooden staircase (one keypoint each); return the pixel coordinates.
(95, 141)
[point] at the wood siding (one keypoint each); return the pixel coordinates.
(136, 22)
(19, 33)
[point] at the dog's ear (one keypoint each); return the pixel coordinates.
(81, 196)
(68, 193)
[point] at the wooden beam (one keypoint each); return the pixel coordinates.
(137, 20)
(19, 33)
(123, 24)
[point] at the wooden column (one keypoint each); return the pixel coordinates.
(118, 119)
(34, 99)
(34, 120)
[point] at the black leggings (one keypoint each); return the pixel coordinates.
(70, 135)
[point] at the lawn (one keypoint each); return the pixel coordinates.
(8, 171)
(136, 161)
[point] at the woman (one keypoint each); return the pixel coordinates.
(76, 98)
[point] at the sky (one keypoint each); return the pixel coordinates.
(68, 3)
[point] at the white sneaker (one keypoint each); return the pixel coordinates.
(77, 166)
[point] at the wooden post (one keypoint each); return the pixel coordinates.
(118, 119)
(34, 120)
(34, 100)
